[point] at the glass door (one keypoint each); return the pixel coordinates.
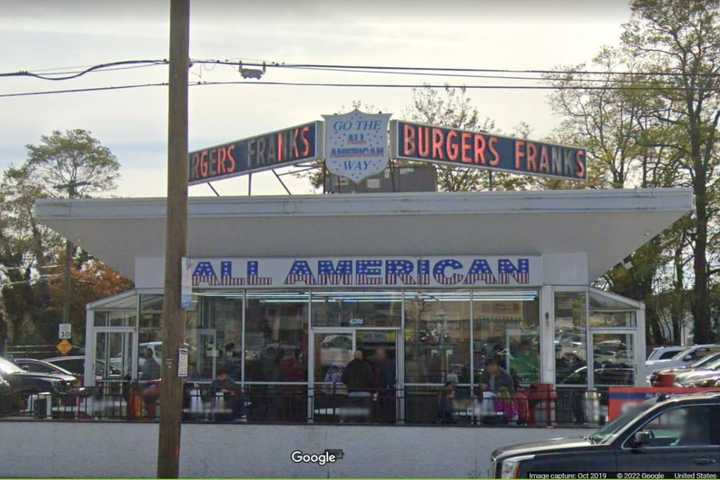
(115, 355)
(333, 350)
(613, 358)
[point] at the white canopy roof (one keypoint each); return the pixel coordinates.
(606, 224)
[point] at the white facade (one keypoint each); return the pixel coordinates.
(572, 237)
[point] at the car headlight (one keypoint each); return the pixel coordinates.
(511, 466)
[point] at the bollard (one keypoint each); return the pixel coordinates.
(47, 398)
(591, 403)
(542, 398)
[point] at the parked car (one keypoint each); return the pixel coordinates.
(75, 364)
(41, 366)
(678, 434)
(610, 374)
(72, 363)
(665, 353)
(686, 357)
(706, 375)
(653, 377)
(24, 383)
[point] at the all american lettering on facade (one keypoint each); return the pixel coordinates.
(465, 271)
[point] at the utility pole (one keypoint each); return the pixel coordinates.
(71, 188)
(173, 318)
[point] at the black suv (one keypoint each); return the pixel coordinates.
(24, 384)
(678, 434)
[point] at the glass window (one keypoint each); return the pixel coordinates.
(215, 341)
(115, 318)
(611, 319)
(356, 309)
(437, 337)
(570, 338)
(508, 332)
(607, 311)
(685, 426)
(149, 329)
(613, 359)
(276, 332)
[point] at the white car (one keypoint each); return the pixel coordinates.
(681, 359)
(665, 353)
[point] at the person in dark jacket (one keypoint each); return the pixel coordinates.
(358, 374)
(384, 368)
(359, 379)
(232, 393)
(494, 379)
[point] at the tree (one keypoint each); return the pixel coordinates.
(681, 40)
(27, 249)
(92, 280)
(72, 158)
(614, 117)
(73, 161)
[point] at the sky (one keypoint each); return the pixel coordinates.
(50, 35)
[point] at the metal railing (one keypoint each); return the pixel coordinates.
(324, 403)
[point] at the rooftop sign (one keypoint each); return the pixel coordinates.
(356, 144)
(263, 152)
(462, 148)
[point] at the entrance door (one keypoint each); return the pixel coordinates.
(115, 355)
(333, 349)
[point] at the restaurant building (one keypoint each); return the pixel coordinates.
(285, 289)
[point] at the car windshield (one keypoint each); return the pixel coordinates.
(711, 361)
(606, 433)
(7, 367)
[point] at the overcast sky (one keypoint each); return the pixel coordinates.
(479, 34)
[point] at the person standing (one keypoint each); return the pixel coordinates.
(496, 380)
(359, 379)
(385, 382)
(149, 377)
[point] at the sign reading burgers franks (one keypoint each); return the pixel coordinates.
(461, 148)
(262, 152)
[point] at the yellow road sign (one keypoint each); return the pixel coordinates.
(64, 347)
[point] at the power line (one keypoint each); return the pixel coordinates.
(435, 86)
(72, 75)
(343, 85)
(83, 90)
(464, 75)
(449, 69)
(69, 73)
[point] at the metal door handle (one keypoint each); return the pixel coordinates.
(704, 460)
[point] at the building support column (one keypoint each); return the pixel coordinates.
(547, 335)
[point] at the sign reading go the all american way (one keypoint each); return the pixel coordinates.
(356, 144)
(461, 148)
(465, 271)
(263, 152)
